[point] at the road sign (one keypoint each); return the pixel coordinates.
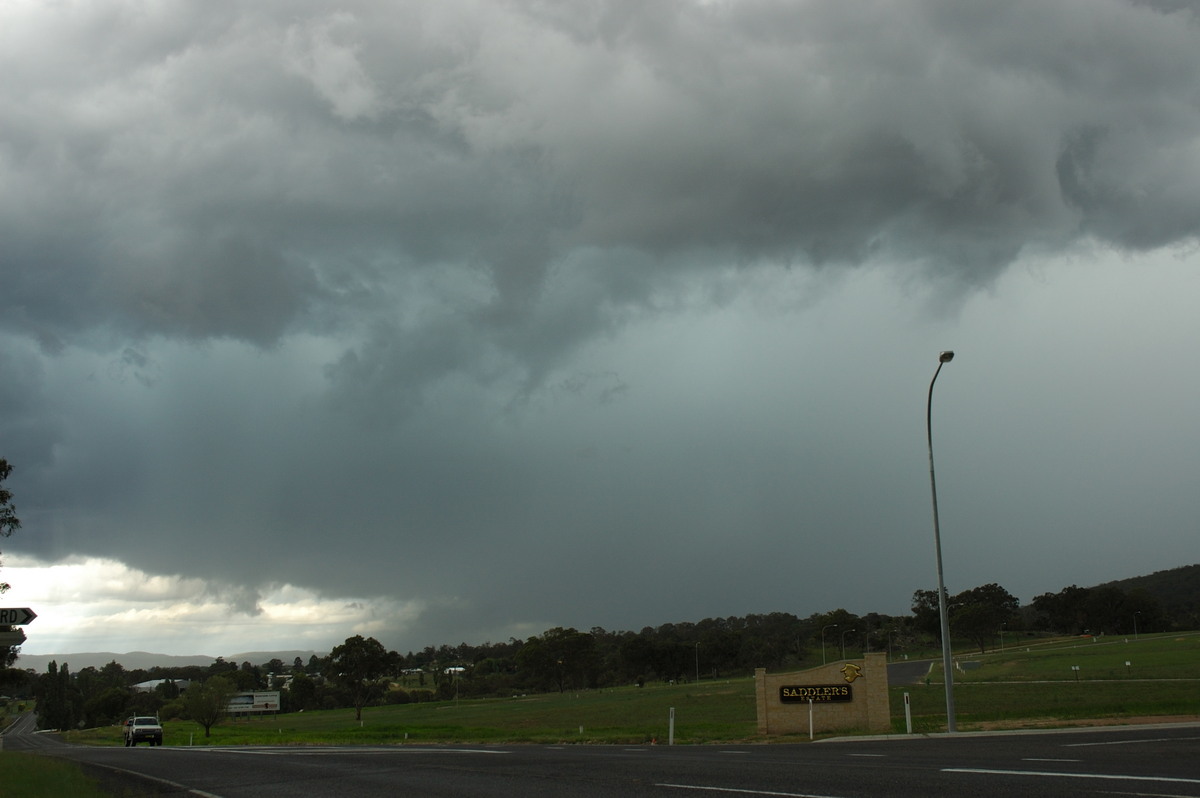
(16, 616)
(12, 638)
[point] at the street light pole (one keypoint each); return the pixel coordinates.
(951, 726)
(697, 662)
(823, 628)
(844, 633)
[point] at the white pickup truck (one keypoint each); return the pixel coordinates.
(143, 728)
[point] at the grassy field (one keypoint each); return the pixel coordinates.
(710, 712)
(1026, 685)
(1029, 684)
(1116, 658)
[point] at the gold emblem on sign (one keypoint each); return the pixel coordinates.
(851, 671)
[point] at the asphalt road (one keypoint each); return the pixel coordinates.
(1145, 761)
(908, 671)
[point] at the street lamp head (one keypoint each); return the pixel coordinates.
(945, 357)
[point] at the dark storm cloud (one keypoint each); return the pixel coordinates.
(172, 180)
(349, 270)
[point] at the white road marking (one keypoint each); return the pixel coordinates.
(1108, 776)
(172, 784)
(1130, 742)
(326, 751)
(703, 788)
(1040, 759)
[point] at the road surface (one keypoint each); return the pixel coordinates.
(1161, 760)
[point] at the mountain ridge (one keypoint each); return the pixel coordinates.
(144, 660)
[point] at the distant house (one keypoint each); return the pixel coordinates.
(148, 687)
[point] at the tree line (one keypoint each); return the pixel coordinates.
(362, 672)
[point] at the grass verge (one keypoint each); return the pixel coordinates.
(32, 776)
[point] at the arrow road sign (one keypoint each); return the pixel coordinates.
(16, 616)
(12, 638)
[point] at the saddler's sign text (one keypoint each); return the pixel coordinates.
(820, 693)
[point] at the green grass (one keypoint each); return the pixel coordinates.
(1026, 685)
(32, 776)
(1032, 704)
(710, 712)
(1034, 685)
(1149, 657)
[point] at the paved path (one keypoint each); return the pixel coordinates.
(908, 672)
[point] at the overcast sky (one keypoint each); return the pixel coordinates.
(455, 321)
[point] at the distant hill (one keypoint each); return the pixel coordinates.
(1177, 589)
(134, 660)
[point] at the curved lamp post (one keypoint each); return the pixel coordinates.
(823, 628)
(844, 633)
(951, 726)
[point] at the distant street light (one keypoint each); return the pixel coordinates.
(951, 726)
(823, 628)
(697, 661)
(846, 632)
(1135, 632)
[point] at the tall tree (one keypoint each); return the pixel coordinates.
(980, 612)
(59, 702)
(1064, 611)
(358, 665)
(208, 702)
(926, 614)
(9, 523)
(302, 692)
(561, 656)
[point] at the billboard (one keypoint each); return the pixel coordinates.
(254, 702)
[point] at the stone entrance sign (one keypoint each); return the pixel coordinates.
(847, 695)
